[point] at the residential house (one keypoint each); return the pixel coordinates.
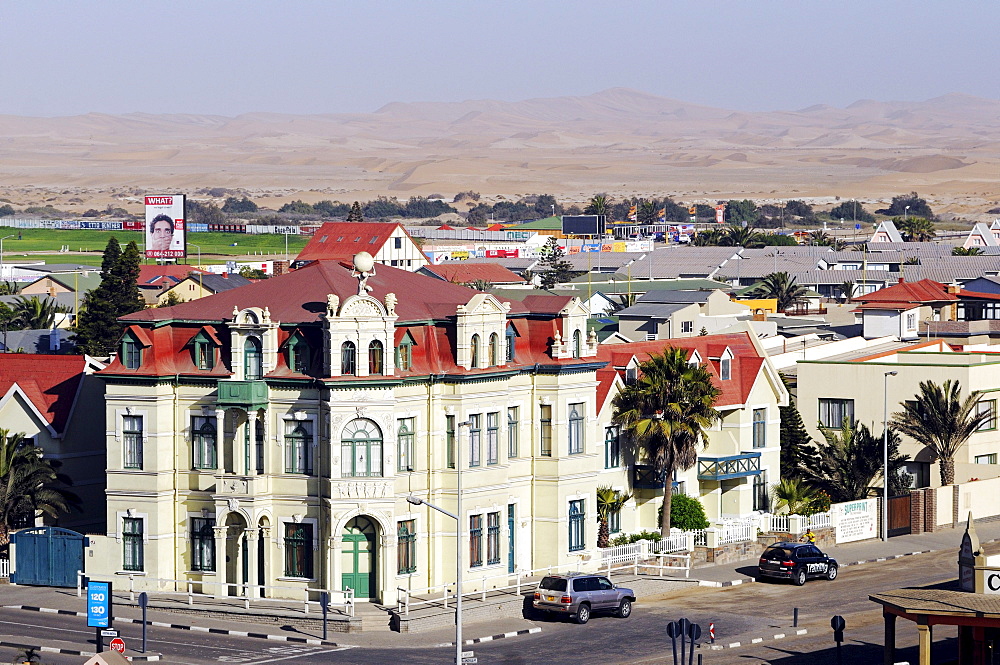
(886, 231)
(202, 285)
(897, 310)
(464, 272)
(981, 236)
(387, 242)
(671, 314)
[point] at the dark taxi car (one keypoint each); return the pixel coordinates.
(796, 562)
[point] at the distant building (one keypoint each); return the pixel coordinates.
(982, 236)
(387, 242)
(886, 232)
(198, 286)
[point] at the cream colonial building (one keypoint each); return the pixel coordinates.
(271, 434)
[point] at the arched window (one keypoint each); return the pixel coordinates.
(348, 359)
(475, 351)
(577, 344)
(494, 350)
(298, 355)
(375, 365)
(253, 360)
(361, 449)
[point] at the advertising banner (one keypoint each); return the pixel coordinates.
(855, 520)
(720, 214)
(165, 230)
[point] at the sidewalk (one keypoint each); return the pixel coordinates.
(850, 554)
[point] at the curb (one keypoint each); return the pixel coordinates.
(70, 652)
(179, 626)
(749, 580)
(754, 640)
(490, 638)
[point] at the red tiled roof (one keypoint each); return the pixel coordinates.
(465, 273)
(745, 365)
(50, 382)
(300, 296)
(546, 304)
(915, 293)
(342, 240)
(978, 295)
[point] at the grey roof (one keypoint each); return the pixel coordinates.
(890, 230)
(839, 276)
(218, 283)
(672, 262)
(36, 341)
(812, 250)
(651, 311)
(69, 300)
(60, 267)
(922, 248)
(513, 264)
(675, 297)
(759, 267)
(603, 261)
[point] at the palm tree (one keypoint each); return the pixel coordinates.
(665, 416)
(708, 238)
(28, 485)
(915, 229)
(941, 420)
(794, 495)
(966, 251)
(609, 501)
(480, 284)
(599, 204)
(740, 236)
(782, 287)
(848, 464)
(34, 313)
(847, 289)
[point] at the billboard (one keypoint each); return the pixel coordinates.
(583, 225)
(165, 229)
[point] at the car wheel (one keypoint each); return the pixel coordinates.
(831, 573)
(624, 609)
(800, 577)
(583, 614)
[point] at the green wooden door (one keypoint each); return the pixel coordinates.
(358, 556)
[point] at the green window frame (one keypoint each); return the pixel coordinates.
(475, 439)
(133, 547)
(449, 435)
(406, 550)
(298, 447)
(988, 406)
(404, 443)
(203, 544)
(513, 431)
(493, 438)
(404, 353)
(612, 448)
(475, 541)
(615, 521)
(545, 430)
(298, 550)
(132, 435)
(299, 354)
(577, 527)
(203, 442)
(253, 360)
(131, 353)
(204, 352)
(361, 449)
(492, 539)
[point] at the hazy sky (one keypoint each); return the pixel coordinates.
(297, 56)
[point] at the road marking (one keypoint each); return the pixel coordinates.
(236, 659)
(91, 633)
(757, 640)
(779, 636)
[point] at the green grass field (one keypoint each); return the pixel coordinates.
(46, 244)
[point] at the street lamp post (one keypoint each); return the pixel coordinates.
(417, 501)
(906, 213)
(885, 454)
(1, 252)
(201, 284)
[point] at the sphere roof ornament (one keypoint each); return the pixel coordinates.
(363, 262)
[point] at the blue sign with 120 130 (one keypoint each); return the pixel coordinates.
(99, 604)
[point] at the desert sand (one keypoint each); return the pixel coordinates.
(619, 141)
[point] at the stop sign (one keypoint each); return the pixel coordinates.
(118, 644)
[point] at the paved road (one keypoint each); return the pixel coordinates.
(740, 613)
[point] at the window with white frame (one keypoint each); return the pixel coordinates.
(492, 539)
(298, 446)
(298, 550)
(132, 435)
(203, 544)
(133, 554)
(577, 518)
(759, 428)
(687, 326)
(545, 429)
(612, 447)
(725, 369)
(911, 321)
(361, 449)
(475, 541)
(406, 550)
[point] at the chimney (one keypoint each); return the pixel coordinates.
(900, 281)
(280, 268)
(225, 275)
(54, 339)
(953, 288)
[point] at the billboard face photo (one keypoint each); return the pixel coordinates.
(165, 227)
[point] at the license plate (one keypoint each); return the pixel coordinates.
(550, 598)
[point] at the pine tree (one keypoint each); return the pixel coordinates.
(795, 440)
(127, 298)
(98, 328)
(556, 268)
(355, 213)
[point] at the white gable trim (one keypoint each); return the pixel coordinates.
(16, 390)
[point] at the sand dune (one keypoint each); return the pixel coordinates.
(618, 141)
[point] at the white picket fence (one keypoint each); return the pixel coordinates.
(4, 568)
(737, 532)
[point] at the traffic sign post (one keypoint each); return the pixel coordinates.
(118, 644)
(673, 630)
(324, 601)
(99, 609)
(838, 624)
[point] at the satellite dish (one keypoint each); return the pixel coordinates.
(363, 262)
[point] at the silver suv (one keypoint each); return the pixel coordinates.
(578, 595)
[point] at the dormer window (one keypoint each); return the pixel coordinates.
(375, 359)
(725, 370)
(474, 351)
(404, 353)
(253, 358)
(203, 346)
(494, 350)
(511, 337)
(298, 354)
(348, 359)
(131, 353)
